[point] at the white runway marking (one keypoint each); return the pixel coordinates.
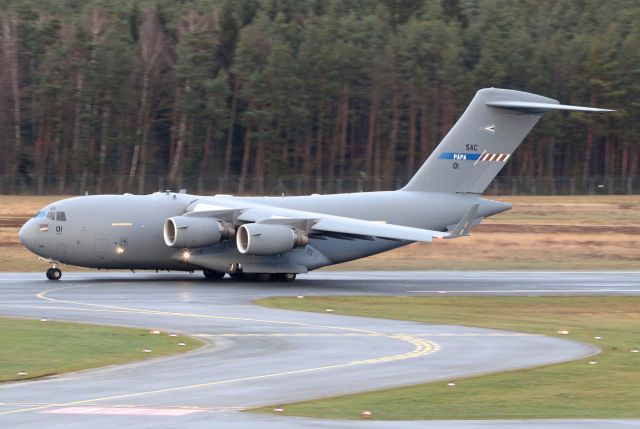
(421, 348)
(524, 291)
(116, 411)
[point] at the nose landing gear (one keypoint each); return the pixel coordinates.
(54, 273)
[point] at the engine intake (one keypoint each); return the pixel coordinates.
(186, 231)
(267, 239)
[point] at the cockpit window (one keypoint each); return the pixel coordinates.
(53, 215)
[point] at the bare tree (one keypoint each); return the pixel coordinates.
(150, 54)
(10, 43)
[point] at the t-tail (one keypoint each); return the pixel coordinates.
(483, 140)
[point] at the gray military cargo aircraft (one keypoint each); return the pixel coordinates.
(266, 238)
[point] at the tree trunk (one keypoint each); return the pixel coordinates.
(246, 156)
(319, 137)
(140, 135)
(390, 157)
(179, 151)
(586, 168)
(333, 141)
(344, 124)
(208, 150)
(424, 135)
(306, 160)
(624, 161)
(176, 165)
(589, 145)
(259, 164)
(371, 130)
(411, 161)
(230, 129)
(10, 37)
(551, 158)
(104, 137)
(635, 161)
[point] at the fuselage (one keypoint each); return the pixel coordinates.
(126, 231)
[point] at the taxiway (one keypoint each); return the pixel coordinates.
(257, 356)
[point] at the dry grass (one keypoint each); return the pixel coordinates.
(570, 390)
(556, 233)
(560, 232)
(15, 210)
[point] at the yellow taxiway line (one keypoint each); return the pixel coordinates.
(421, 348)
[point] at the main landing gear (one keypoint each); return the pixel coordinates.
(54, 273)
(285, 277)
(266, 277)
(212, 275)
(239, 275)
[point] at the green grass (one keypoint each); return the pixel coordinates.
(610, 389)
(47, 348)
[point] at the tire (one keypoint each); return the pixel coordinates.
(264, 277)
(285, 277)
(54, 274)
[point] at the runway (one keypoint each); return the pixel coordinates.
(257, 356)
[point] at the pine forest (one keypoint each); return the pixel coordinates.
(227, 95)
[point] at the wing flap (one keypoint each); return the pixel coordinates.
(374, 229)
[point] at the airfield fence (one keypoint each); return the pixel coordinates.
(211, 185)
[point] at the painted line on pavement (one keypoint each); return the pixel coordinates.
(525, 291)
(421, 348)
(124, 411)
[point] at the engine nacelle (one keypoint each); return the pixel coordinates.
(187, 231)
(268, 239)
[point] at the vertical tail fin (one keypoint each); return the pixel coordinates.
(483, 140)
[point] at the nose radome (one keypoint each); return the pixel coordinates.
(27, 235)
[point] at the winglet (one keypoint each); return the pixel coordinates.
(464, 226)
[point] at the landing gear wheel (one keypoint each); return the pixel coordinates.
(285, 277)
(212, 275)
(264, 277)
(239, 275)
(54, 274)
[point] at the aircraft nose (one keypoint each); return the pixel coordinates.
(27, 235)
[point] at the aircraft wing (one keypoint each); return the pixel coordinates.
(374, 229)
(320, 223)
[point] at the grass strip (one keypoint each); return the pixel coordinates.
(40, 348)
(610, 389)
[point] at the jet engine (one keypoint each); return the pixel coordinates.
(268, 239)
(187, 231)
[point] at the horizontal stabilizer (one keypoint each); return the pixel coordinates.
(532, 107)
(483, 140)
